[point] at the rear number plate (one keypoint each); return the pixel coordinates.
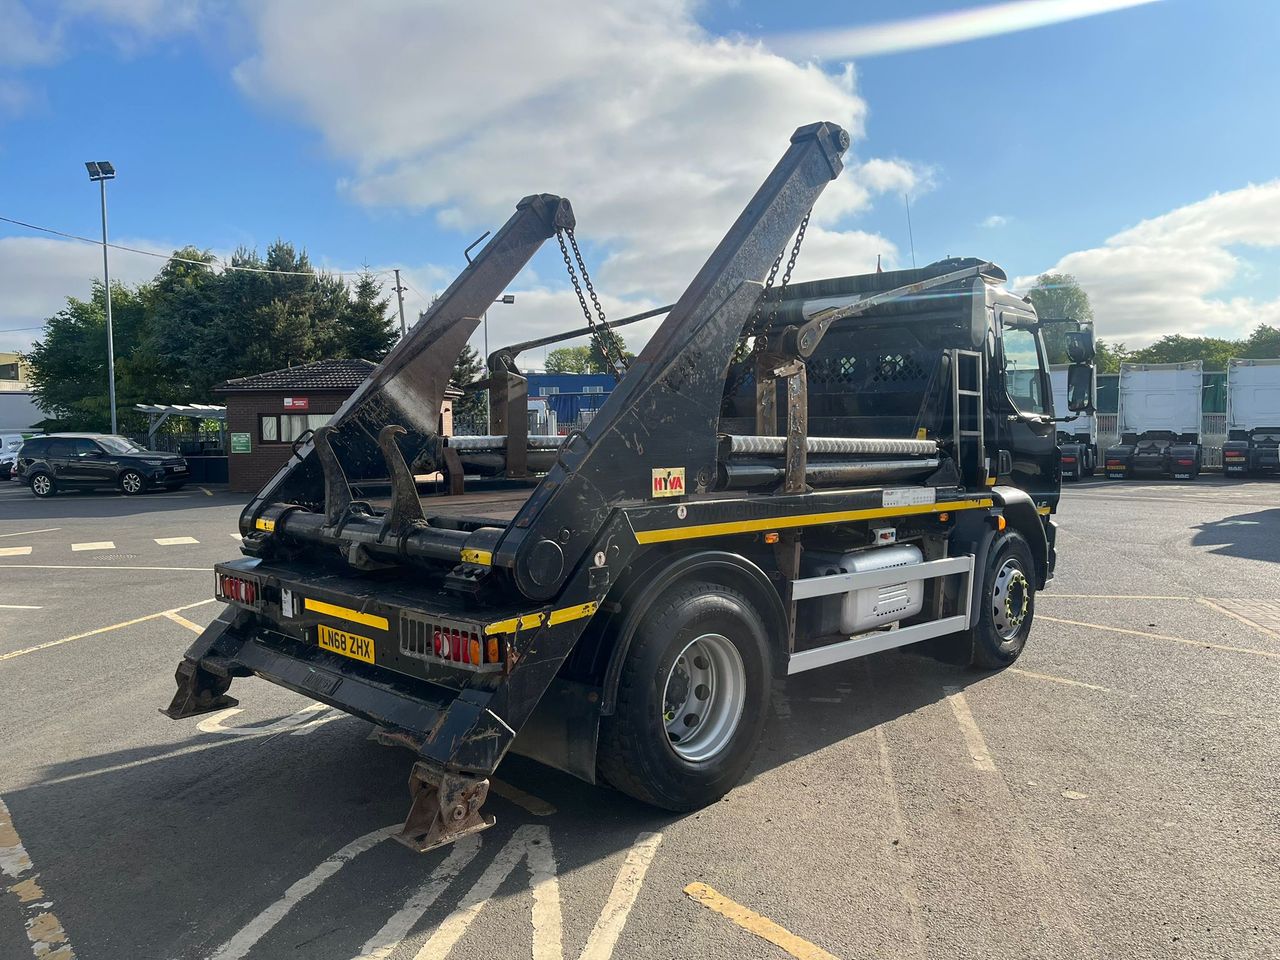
(347, 644)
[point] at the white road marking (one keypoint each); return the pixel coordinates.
(910, 891)
(382, 943)
(182, 621)
(94, 545)
(536, 806)
(207, 493)
(973, 737)
(49, 941)
(257, 928)
(174, 541)
(604, 936)
(236, 536)
(1108, 596)
(301, 722)
(1053, 679)
(18, 606)
(99, 566)
(14, 551)
(28, 533)
(93, 633)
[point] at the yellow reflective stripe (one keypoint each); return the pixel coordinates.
(807, 520)
(481, 558)
(267, 525)
(531, 620)
(346, 613)
(1044, 511)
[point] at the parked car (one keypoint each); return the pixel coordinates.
(64, 461)
(10, 444)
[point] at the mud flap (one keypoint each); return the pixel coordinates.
(446, 806)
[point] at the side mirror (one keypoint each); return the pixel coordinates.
(1080, 346)
(1080, 388)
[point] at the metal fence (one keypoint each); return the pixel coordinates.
(1213, 433)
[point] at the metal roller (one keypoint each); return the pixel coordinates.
(747, 476)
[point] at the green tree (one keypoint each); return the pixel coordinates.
(1263, 343)
(1175, 348)
(1110, 356)
(364, 327)
(588, 358)
(1057, 296)
(468, 368)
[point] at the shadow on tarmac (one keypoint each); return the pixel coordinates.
(166, 850)
(18, 503)
(1248, 535)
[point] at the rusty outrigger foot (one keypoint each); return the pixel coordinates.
(446, 806)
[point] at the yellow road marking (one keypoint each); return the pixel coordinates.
(49, 941)
(536, 806)
(15, 551)
(182, 621)
(481, 558)
(808, 520)
(1051, 678)
(1162, 636)
(93, 633)
(754, 923)
(531, 620)
(207, 493)
(1106, 596)
(346, 613)
(1241, 617)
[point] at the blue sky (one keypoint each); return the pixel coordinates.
(393, 140)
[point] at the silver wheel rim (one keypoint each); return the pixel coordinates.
(131, 482)
(1010, 600)
(40, 485)
(704, 696)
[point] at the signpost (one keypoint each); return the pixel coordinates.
(240, 443)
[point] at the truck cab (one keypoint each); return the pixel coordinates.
(1253, 419)
(1159, 420)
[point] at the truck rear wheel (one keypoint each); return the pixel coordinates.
(692, 699)
(1006, 605)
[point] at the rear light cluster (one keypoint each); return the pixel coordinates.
(1185, 463)
(459, 645)
(241, 591)
(1068, 459)
(1234, 455)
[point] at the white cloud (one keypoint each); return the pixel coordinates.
(1173, 273)
(941, 29)
(24, 40)
(994, 221)
(37, 274)
(658, 132)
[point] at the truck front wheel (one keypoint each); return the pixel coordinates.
(1006, 605)
(692, 699)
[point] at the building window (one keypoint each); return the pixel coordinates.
(549, 391)
(269, 429)
(595, 389)
(294, 425)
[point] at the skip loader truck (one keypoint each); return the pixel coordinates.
(788, 476)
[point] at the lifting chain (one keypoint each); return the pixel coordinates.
(754, 330)
(599, 330)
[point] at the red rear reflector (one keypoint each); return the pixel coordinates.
(437, 643)
(1068, 459)
(1185, 463)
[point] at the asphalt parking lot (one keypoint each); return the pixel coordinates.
(1113, 795)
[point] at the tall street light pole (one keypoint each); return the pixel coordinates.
(101, 171)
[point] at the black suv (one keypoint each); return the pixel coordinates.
(63, 461)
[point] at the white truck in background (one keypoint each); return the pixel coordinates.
(1253, 418)
(1159, 421)
(1078, 435)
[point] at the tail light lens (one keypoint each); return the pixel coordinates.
(238, 590)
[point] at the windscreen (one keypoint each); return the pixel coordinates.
(113, 444)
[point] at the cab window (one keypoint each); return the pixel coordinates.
(1023, 373)
(83, 447)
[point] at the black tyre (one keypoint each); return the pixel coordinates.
(1007, 604)
(42, 485)
(692, 699)
(131, 483)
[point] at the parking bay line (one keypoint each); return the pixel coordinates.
(174, 541)
(1243, 619)
(95, 545)
(754, 923)
(182, 621)
(98, 566)
(28, 533)
(1053, 679)
(49, 941)
(1162, 636)
(15, 551)
(18, 606)
(93, 633)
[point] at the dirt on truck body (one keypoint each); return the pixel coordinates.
(788, 476)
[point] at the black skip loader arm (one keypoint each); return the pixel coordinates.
(406, 390)
(665, 412)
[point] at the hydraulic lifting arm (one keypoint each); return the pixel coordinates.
(666, 410)
(407, 388)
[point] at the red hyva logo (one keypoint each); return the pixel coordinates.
(668, 482)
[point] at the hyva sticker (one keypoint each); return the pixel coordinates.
(668, 482)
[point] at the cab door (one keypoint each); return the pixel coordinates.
(90, 465)
(1024, 418)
